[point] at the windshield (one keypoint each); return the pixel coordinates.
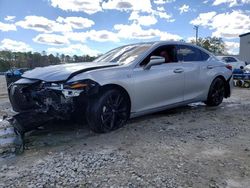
(124, 54)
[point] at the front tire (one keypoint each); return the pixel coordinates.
(108, 112)
(216, 92)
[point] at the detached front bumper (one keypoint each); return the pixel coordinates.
(51, 102)
(59, 100)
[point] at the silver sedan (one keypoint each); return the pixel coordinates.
(126, 82)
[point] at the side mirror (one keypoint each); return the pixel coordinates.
(154, 60)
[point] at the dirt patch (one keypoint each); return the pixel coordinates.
(192, 146)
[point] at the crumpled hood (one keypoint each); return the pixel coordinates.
(62, 72)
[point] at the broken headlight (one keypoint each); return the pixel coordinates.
(74, 89)
(80, 85)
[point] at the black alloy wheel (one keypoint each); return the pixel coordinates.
(109, 112)
(216, 92)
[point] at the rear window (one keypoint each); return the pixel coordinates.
(190, 53)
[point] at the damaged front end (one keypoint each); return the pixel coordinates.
(49, 100)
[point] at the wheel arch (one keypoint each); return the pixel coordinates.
(118, 87)
(226, 83)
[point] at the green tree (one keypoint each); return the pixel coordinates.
(31, 60)
(212, 44)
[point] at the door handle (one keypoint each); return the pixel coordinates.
(210, 67)
(178, 70)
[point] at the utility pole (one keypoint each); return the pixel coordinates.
(196, 27)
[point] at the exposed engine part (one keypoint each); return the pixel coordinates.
(71, 93)
(53, 102)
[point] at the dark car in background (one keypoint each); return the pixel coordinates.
(14, 74)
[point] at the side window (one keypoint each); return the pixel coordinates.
(229, 59)
(189, 53)
(168, 52)
(204, 56)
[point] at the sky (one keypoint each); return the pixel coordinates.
(95, 26)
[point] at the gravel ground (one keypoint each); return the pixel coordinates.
(192, 146)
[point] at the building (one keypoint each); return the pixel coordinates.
(245, 47)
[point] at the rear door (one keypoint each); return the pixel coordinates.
(194, 66)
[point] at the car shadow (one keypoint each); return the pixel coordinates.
(56, 133)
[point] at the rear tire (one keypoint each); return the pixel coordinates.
(108, 111)
(216, 92)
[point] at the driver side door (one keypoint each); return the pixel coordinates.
(159, 86)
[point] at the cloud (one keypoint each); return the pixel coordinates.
(9, 18)
(232, 47)
(102, 36)
(160, 2)
(184, 8)
(76, 22)
(204, 19)
(228, 25)
(161, 9)
(190, 39)
(135, 31)
(51, 39)
(15, 46)
(98, 36)
(125, 5)
(74, 49)
(87, 6)
(42, 24)
(231, 3)
(163, 15)
(143, 20)
(7, 27)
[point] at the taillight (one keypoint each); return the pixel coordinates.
(229, 67)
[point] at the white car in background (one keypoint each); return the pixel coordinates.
(233, 61)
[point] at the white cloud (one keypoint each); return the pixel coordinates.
(161, 9)
(76, 36)
(99, 36)
(125, 5)
(204, 19)
(42, 24)
(143, 20)
(76, 22)
(228, 25)
(102, 36)
(164, 16)
(190, 39)
(232, 47)
(160, 2)
(15, 46)
(9, 18)
(7, 27)
(135, 31)
(231, 3)
(51, 39)
(87, 6)
(74, 49)
(184, 8)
